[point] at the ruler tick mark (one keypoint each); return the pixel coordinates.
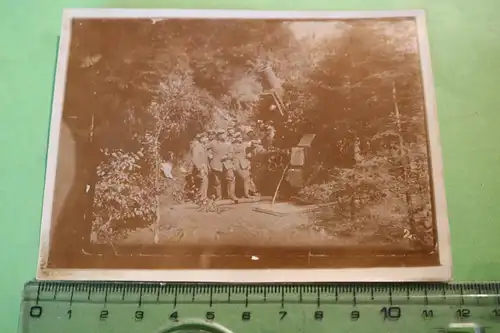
(246, 297)
(105, 296)
(123, 294)
(372, 297)
(282, 296)
(71, 297)
(354, 298)
(318, 299)
(498, 294)
(390, 296)
(336, 294)
(426, 297)
(38, 294)
(407, 293)
(175, 297)
(158, 294)
(462, 301)
(140, 296)
(194, 295)
(210, 299)
(89, 294)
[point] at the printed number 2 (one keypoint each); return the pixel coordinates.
(104, 315)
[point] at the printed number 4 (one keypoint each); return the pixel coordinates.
(174, 316)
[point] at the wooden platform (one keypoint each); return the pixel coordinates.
(224, 202)
(284, 208)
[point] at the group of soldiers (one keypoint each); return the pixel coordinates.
(223, 157)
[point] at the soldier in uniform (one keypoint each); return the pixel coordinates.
(269, 134)
(256, 155)
(211, 135)
(230, 134)
(221, 164)
(242, 163)
(199, 159)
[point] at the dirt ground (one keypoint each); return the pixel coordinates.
(239, 224)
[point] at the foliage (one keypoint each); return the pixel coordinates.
(194, 75)
(123, 194)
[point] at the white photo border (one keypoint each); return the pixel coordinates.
(443, 272)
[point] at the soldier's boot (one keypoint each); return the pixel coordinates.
(218, 192)
(252, 188)
(246, 188)
(231, 188)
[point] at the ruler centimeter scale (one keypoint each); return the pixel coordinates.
(78, 307)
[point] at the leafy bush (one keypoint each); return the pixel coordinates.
(125, 194)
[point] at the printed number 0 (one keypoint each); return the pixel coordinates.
(36, 311)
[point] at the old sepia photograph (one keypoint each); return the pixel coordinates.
(244, 146)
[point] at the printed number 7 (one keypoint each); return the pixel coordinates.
(283, 314)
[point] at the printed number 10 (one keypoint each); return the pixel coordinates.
(391, 313)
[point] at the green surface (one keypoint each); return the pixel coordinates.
(361, 308)
(465, 47)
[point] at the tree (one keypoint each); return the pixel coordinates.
(144, 87)
(149, 86)
(383, 128)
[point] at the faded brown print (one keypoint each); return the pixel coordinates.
(293, 143)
